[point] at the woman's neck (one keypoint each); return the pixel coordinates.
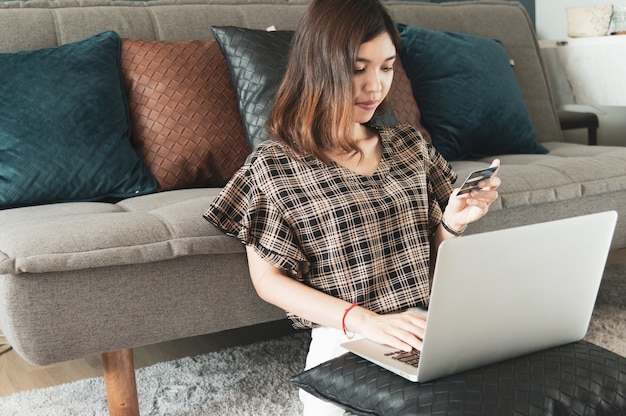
(366, 162)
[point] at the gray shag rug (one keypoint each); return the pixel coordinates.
(254, 379)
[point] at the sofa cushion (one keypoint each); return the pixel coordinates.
(84, 235)
(569, 172)
(403, 102)
(467, 93)
(64, 126)
(183, 107)
(257, 60)
(579, 378)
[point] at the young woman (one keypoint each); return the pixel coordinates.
(341, 220)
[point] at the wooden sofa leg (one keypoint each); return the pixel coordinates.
(119, 379)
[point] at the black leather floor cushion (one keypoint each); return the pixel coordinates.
(574, 379)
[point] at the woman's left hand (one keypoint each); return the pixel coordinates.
(467, 208)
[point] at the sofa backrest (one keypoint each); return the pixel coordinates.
(43, 23)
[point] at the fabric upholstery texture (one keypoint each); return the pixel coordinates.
(155, 227)
(569, 172)
(575, 379)
(186, 123)
(64, 126)
(467, 93)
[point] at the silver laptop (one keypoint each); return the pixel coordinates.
(507, 293)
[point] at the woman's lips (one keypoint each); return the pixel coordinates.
(368, 105)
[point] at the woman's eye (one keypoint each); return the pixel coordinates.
(388, 69)
(359, 70)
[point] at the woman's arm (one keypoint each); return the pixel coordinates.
(403, 330)
(463, 210)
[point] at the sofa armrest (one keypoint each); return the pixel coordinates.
(580, 120)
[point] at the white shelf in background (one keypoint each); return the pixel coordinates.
(587, 70)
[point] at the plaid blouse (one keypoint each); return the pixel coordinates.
(361, 239)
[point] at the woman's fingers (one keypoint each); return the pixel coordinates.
(404, 331)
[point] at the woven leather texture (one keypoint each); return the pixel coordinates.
(574, 379)
(257, 60)
(403, 103)
(186, 122)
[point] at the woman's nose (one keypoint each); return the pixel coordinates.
(373, 83)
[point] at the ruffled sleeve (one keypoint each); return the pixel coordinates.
(244, 210)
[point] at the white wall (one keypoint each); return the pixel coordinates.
(551, 21)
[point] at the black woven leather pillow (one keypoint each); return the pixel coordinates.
(574, 379)
(257, 60)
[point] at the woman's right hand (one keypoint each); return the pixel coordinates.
(403, 330)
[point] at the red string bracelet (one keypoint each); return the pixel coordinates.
(343, 320)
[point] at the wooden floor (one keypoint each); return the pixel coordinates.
(17, 375)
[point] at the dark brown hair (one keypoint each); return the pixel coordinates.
(313, 108)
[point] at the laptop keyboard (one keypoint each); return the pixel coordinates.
(411, 358)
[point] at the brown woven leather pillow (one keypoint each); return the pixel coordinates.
(184, 113)
(403, 103)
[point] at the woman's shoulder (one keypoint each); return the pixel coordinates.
(270, 152)
(274, 159)
(404, 136)
(403, 131)
(268, 149)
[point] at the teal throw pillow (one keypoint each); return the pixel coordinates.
(65, 126)
(467, 93)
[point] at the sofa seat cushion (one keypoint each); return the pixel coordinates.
(567, 172)
(83, 235)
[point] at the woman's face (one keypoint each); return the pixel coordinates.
(373, 74)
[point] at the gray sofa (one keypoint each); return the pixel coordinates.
(93, 277)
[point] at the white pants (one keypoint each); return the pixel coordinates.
(324, 346)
